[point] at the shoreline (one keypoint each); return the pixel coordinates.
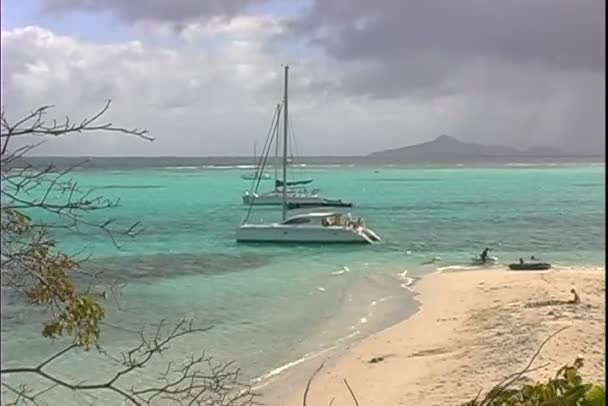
(376, 316)
(482, 310)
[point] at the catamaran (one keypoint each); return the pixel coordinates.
(298, 196)
(312, 227)
(297, 192)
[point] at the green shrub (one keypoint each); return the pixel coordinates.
(567, 388)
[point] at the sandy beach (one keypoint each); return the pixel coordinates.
(473, 329)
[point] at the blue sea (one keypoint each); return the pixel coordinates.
(271, 305)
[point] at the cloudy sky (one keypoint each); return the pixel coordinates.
(204, 75)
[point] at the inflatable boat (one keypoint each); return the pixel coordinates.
(531, 266)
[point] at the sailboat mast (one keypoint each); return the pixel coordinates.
(285, 127)
(276, 148)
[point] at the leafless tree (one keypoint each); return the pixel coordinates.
(25, 187)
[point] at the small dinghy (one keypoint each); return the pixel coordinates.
(531, 266)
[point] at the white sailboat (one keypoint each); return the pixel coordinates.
(313, 227)
(297, 194)
(254, 175)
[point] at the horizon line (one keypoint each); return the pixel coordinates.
(563, 155)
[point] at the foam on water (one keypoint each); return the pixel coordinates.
(459, 268)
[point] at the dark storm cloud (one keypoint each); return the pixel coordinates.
(418, 78)
(395, 48)
(560, 33)
(173, 11)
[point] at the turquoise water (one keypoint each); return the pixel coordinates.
(270, 305)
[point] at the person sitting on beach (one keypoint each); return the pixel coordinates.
(484, 255)
(521, 261)
(576, 299)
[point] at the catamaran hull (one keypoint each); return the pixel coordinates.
(277, 200)
(293, 201)
(322, 235)
(324, 203)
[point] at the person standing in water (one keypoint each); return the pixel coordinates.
(484, 255)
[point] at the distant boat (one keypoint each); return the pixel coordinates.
(316, 227)
(255, 175)
(296, 199)
(298, 196)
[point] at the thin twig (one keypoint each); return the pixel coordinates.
(189, 383)
(305, 398)
(352, 394)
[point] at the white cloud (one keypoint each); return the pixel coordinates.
(216, 100)
(180, 95)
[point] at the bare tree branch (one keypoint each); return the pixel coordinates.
(35, 124)
(69, 202)
(511, 379)
(188, 383)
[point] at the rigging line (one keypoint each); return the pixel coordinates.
(255, 161)
(251, 203)
(273, 134)
(295, 146)
(267, 145)
(289, 135)
(293, 140)
(254, 185)
(256, 181)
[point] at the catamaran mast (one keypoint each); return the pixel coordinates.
(276, 149)
(285, 127)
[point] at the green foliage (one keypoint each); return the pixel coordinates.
(45, 277)
(567, 388)
(596, 396)
(81, 318)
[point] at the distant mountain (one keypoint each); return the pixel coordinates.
(449, 147)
